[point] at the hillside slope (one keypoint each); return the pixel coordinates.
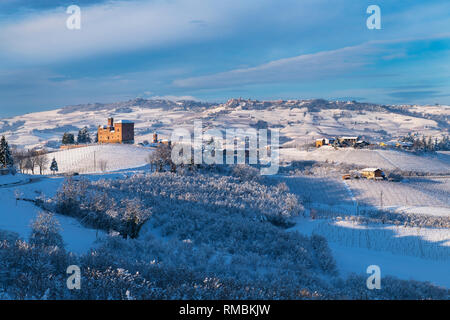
(99, 158)
(299, 121)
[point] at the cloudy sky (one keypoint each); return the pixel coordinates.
(215, 50)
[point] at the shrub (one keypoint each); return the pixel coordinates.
(45, 231)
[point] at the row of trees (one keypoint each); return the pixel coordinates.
(83, 137)
(423, 143)
(25, 160)
(29, 160)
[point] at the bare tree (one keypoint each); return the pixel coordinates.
(28, 164)
(161, 157)
(103, 164)
(21, 158)
(32, 160)
(42, 160)
(151, 160)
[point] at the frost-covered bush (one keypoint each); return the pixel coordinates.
(27, 271)
(194, 255)
(391, 289)
(103, 204)
(194, 236)
(98, 208)
(246, 173)
(153, 268)
(45, 231)
(406, 218)
(323, 253)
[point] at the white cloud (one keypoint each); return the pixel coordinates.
(305, 67)
(322, 65)
(118, 26)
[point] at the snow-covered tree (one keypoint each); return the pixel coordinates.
(83, 136)
(54, 166)
(134, 216)
(161, 158)
(68, 138)
(6, 159)
(45, 231)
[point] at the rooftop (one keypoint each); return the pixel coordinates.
(370, 169)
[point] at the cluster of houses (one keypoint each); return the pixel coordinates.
(341, 142)
(356, 142)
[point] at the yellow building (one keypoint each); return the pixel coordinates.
(119, 132)
(372, 173)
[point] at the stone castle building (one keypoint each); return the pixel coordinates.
(119, 132)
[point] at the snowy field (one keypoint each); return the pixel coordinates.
(89, 159)
(384, 159)
(403, 251)
(412, 193)
(321, 193)
(406, 252)
(10, 179)
(17, 216)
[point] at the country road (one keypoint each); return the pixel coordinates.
(21, 183)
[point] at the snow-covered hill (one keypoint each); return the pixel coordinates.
(299, 121)
(400, 226)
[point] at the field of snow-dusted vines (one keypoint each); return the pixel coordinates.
(423, 193)
(425, 243)
(322, 193)
(89, 159)
(384, 159)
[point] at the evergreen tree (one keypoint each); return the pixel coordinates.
(6, 159)
(83, 136)
(54, 166)
(68, 138)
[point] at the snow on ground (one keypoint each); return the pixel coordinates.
(356, 260)
(17, 217)
(410, 194)
(384, 159)
(404, 252)
(421, 210)
(10, 179)
(325, 193)
(89, 159)
(300, 122)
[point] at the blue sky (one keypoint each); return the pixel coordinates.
(215, 50)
